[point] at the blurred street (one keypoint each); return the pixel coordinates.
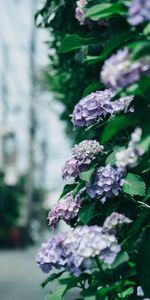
(31, 155)
(19, 277)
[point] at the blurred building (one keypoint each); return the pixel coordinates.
(32, 139)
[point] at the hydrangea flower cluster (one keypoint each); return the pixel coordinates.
(66, 209)
(70, 169)
(140, 292)
(82, 155)
(113, 221)
(98, 105)
(80, 11)
(75, 249)
(139, 11)
(50, 254)
(119, 71)
(129, 157)
(123, 104)
(86, 151)
(106, 183)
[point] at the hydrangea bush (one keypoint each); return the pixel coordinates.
(102, 68)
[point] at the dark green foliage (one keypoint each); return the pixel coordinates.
(9, 209)
(143, 263)
(73, 72)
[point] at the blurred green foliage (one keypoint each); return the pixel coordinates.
(10, 197)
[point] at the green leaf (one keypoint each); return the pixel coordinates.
(115, 125)
(134, 185)
(105, 10)
(86, 175)
(73, 41)
(106, 290)
(147, 194)
(89, 292)
(71, 282)
(141, 49)
(67, 188)
(121, 258)
(145, 144)
(51, 278)
(57, 293)
(86, 212)
(138, 224)
(143, 264)
(146, 30)
(115, 40)
(125, 294)
(78, 187)
(92, 87)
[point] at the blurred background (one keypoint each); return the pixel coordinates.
(33, 147)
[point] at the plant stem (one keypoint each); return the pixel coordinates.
(101, 269)
(143, 204)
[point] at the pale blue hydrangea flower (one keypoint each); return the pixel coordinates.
(139, 11)
(75, 249)
(86, 151)
(82, 155)
(119, 71)
(114, 221)
(128, 157)
(140, 292)
(106, 183)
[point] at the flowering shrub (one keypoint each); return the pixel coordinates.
(75, 249)
(97, 106)
(82, 156)
(66, 210)
(106, 253)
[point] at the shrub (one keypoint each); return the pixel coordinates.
(106, 253)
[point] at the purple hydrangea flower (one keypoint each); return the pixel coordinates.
(87, 242)
(95, 106)
(82, 155)
(66, 210)
(123, 104)
(75, 249)
(128, 157)
(80, 11)
(113, 221)
(50, 254)
(70, 169)
(106, 183)
(119, 71)
(86, 151)
(139, 11)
